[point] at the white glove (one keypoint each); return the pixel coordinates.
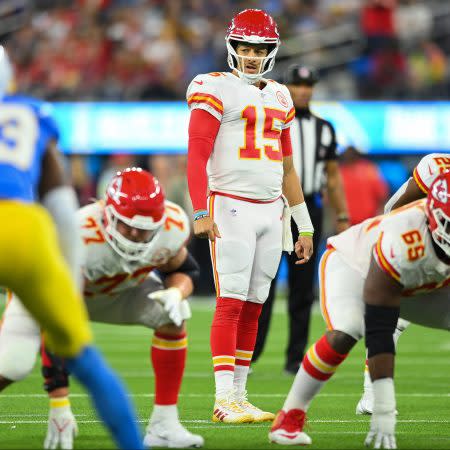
(382, 424)
(172, 300)
(382, 430)
(62, 428)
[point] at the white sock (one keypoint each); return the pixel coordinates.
(164, 413)
(224, 383)
(240, 378)
(303, 390)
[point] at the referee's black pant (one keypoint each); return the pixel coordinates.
(300, 297)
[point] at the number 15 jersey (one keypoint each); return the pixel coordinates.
(247, 156)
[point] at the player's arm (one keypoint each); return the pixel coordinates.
(181, 271)
(60, 200)
(407, 193)
(382, 294)
(179, 274)
(293, 192)
(203, 129)
(336, 195)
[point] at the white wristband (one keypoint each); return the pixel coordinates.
(301, 216)
(383, 395)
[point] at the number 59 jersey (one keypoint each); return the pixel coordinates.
(402, 246)
(26, 127)
(247, 156)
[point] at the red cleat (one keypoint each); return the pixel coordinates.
(287, 428)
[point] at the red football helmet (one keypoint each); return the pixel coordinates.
(438, 211)
(252, 26)
(135, 198)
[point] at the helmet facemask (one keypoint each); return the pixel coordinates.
(127, 248)
(237, 62)
(440, 228)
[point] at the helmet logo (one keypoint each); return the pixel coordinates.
(114, 190)
(440, 191)
(282, 99)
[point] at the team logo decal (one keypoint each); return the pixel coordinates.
(282, 99)
(440, 191)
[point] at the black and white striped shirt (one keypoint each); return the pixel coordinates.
(313, 143)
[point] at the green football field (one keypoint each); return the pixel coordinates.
(422, 383)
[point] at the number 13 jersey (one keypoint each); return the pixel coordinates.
(247, 157)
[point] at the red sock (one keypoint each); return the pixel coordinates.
(246, 332)
(224, 332)
(169, 359)
(321, 360)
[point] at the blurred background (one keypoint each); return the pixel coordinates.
(140, 55)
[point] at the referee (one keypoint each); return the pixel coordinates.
(315, 158)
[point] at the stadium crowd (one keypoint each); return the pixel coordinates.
(151, 49)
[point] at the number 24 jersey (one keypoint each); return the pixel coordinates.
(247, 156)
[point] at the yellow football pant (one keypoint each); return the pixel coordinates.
(32, 266)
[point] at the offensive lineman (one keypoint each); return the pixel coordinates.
(125, 238)
(31, 263)
(240, 150)
(416, 187)
(369, 270)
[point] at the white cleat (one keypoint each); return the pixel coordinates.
(287, 428)
(365, 405)
(258, 414)
(229, 411)
(171, 435)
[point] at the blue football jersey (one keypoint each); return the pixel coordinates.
(26, 127)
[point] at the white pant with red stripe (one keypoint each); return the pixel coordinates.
(342, 302)
(246, 258)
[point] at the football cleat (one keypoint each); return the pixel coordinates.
(171, 435)
(287, 428)
(229, 411)
(258, 414)
(365, 405)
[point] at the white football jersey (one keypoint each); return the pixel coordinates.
(402, 246)
(106, 273)
(429, 167)
(247, 157)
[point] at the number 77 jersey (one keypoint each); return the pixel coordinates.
(247, 155)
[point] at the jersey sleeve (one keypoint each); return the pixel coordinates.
(329, 141)
(290, 115)
(178, 227)
(47, 121)
(400, 247)
(429, 167)
(384, 253)
(204, 93)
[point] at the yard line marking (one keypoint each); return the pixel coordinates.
(208, 423)
(262, 395)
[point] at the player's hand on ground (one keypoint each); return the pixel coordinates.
(304, 249)
(382, 431)
(62, 428)
(174, 304)
(206, 228)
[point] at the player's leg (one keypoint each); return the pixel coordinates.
(301, 279)
(265, 265)
(168, 356)
(264, 322)
(232, 257)
(43, 283)
(20, 338)
(343, 310)
(365, 404)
